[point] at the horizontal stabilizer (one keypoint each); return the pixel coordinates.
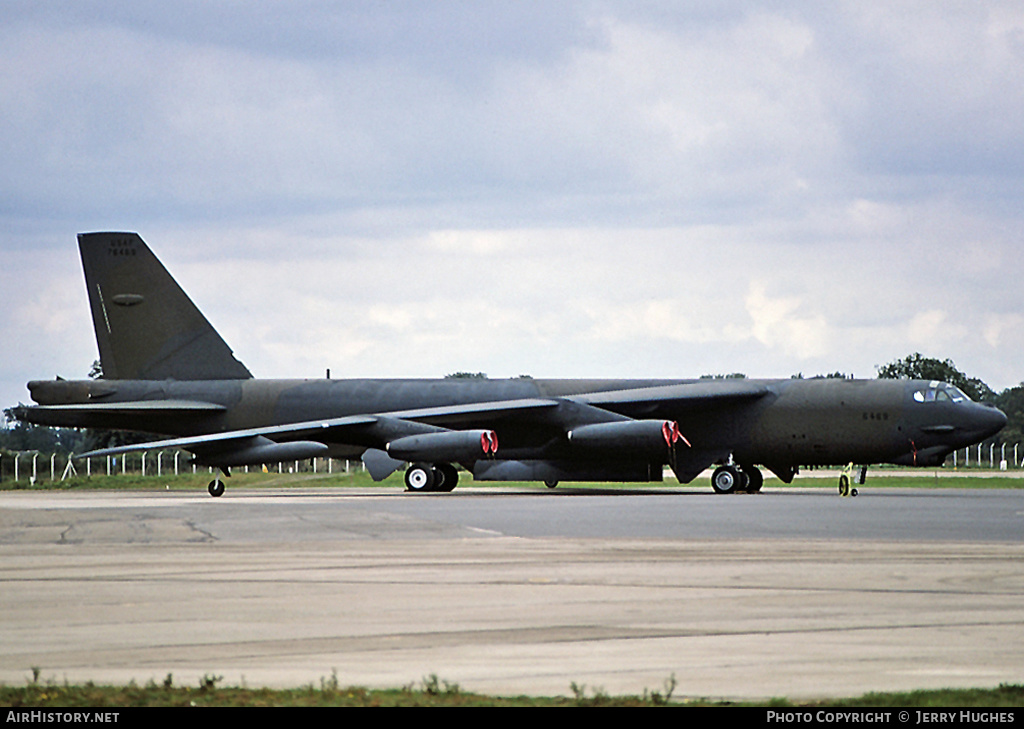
(131, 406)
(134, 415)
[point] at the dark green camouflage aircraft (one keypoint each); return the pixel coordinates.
(167, 371)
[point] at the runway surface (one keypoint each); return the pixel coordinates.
(791, 592)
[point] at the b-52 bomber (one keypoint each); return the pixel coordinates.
(166, 371)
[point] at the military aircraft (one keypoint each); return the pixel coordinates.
(167, 371)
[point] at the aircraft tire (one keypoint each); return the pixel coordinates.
(216, 488)
(551, 483)
(446, 477)
(419, 477)
(726, 480)
(844, 485)
(755, 479)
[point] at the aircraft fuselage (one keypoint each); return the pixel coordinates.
(796, 423)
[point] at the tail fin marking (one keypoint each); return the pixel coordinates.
(146, 326)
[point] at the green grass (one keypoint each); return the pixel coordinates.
(432, 691)
(199, 480)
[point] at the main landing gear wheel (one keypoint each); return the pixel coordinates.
(216, 488)
(755, 480)
(420, 477)
(446, 477)
(727, 480)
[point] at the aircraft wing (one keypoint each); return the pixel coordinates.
(220, 440)
(376, 429)
(437, 433)
(372, 430)
(668, 400)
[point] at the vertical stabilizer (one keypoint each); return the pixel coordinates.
(146, 326)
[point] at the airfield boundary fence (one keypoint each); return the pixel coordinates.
(32, 467)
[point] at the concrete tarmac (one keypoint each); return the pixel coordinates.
(743, 597)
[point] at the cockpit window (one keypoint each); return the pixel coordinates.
(956, 393)
(940, 392)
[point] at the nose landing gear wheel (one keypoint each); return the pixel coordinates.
(216, 488)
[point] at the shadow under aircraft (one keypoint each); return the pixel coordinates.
(166, 371)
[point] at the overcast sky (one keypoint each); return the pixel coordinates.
(559, 189)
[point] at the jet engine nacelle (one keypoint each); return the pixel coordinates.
(263, 450)
(446, 447)
(628, 437)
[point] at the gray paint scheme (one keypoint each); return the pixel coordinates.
(167, 371)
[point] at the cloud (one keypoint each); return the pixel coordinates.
(589, 189)
(778, 323)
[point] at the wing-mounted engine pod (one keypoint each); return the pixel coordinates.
(630, 437)
(445, 447)
(256, 450)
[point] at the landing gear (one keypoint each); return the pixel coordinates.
(216, 487)
(754, 479)
(732, 479)
(446, 477)
(551, 483)
(422, 477)
(727, 480)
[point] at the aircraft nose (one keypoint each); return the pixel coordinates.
(990, 420)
